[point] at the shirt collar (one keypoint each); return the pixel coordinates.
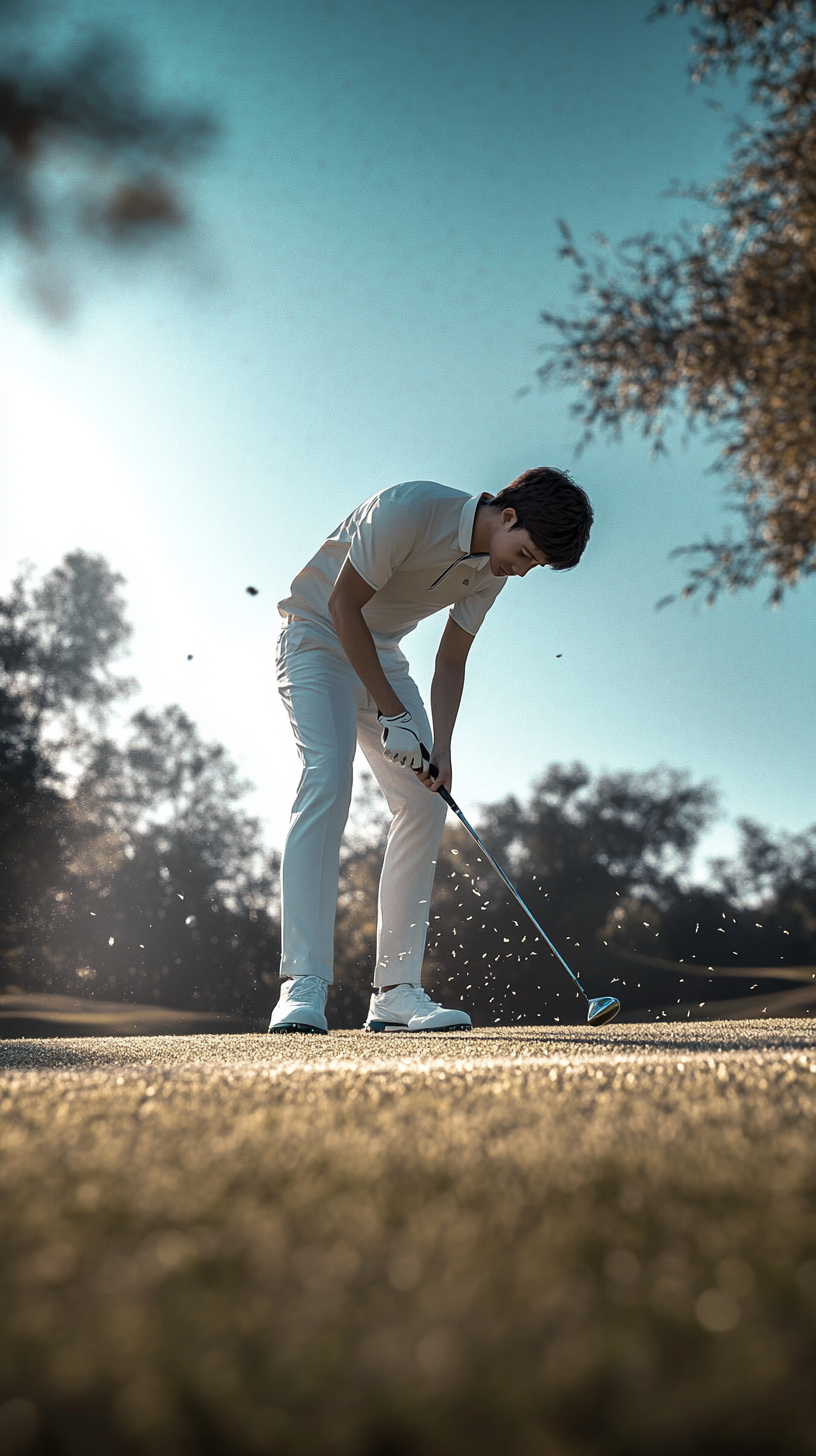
(466, 523)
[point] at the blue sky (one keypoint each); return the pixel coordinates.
(375, 240)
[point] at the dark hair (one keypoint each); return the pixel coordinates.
(553, 510)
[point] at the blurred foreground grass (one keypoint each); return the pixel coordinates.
(533, 1242)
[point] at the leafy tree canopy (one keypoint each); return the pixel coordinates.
(142, 877)
(637, 829)
(58, 638)
(168, 787)
(718, 321)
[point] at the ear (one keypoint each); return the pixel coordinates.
(509, 518)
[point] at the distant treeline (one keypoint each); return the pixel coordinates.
(602, 862)
(130, 870)
(128, 867)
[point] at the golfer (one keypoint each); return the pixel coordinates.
(409, 551)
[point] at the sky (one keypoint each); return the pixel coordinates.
(359, 303)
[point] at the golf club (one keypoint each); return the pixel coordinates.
(600, 1008)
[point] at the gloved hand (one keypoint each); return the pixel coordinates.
(401, 741)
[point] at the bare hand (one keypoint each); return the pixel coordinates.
(441, 761)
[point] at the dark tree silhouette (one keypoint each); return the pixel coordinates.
(36, 825)
(184, 888)
(604, 864)
(129, 869)
(718, 322)
(57, 639)
(579, 849)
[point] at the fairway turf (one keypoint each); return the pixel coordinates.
(543, 1241)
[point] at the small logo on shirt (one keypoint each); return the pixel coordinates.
(466, 581)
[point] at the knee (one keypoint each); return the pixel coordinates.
(325, 785)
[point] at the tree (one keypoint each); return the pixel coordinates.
(57, 640)
(604, 864)
(130, 869)
(718, 322)
(579, 849)
(34, 820)
(185, 894)
(84, 154)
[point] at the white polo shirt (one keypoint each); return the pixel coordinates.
(412, 544)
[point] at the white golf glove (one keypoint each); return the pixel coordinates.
(400, 741)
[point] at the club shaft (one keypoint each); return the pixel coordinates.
(452, 804)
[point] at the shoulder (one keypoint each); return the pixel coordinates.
(418, 506)
(429, 504)
(422, 493)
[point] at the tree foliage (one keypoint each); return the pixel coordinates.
(128, 865)
(604, 862)
(131, 870)
(772, 869)
(581, 847)
(57, 640)
(85, 153)
(718, 321)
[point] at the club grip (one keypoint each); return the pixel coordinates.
(434, 772)
(432, 768)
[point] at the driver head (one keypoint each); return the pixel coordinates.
(603, 1008)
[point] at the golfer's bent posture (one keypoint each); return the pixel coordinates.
(405, 553)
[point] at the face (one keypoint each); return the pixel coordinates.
(512, 553)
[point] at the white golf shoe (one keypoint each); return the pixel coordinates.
(301, 1006)
(409, 1008)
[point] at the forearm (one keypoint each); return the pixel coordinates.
(446, 695)
(358, 645)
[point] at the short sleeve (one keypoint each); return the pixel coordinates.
(471, 611)
(383, 538)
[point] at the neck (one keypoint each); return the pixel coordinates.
(485, 522)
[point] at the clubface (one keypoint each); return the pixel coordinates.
(603, 1008)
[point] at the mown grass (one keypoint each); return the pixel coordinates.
(528, 1243)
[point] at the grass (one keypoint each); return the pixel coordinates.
(544, 1243)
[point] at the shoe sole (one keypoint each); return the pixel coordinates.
(298, 1026)
(423, 1030)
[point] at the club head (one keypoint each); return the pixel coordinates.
(603, 1008)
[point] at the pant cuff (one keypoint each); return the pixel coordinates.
(296, 971)
(396, 978)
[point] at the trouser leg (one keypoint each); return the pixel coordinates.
(322, 695)
(411, 852)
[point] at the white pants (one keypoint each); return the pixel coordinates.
(330, 712)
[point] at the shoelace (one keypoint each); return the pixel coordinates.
(421, 993)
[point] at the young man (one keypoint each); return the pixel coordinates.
(407, 552)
